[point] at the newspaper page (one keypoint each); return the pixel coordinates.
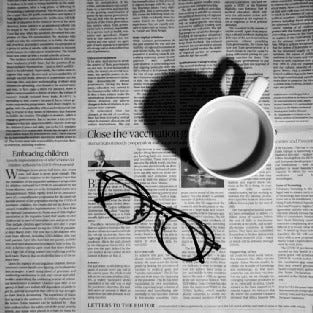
(95, 89)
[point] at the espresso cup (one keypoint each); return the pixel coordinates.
(232, 137)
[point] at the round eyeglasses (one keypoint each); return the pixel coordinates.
(128, 202)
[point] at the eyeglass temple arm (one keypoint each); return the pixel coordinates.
(117, 195)
(211, 243)
(199, 254)
(105, 177)
(208, 241)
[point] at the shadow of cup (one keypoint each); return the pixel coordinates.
(173, 99)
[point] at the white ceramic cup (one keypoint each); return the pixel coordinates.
(232, 137)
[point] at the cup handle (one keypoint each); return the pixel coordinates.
(256, 89)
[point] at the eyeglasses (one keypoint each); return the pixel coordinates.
(181, 235)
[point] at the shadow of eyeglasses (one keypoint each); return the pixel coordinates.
(109, 189)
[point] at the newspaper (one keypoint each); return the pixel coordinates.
(91, 87)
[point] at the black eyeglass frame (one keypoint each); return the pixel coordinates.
(167, 213)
